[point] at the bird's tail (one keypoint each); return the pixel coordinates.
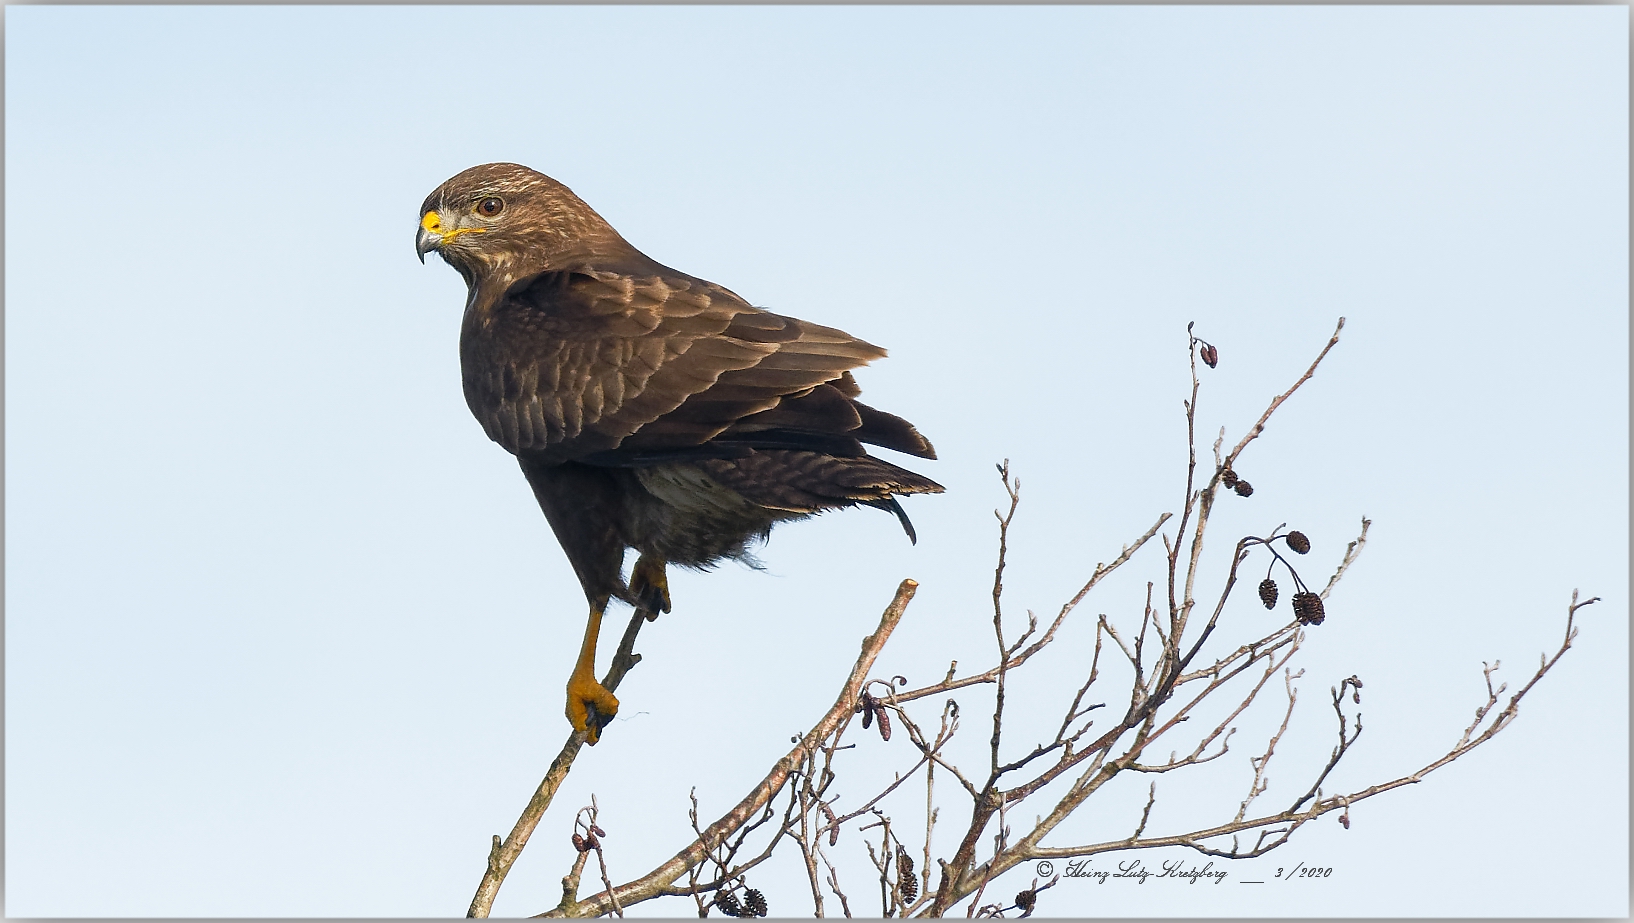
(809, 482)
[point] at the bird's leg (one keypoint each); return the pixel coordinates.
(589, 705)
(650, 585)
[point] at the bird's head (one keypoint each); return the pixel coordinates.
(503, 219)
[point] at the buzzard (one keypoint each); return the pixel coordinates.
(649, 409)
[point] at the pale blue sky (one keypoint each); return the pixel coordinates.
(286, 635)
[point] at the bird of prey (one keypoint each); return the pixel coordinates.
(649, 409)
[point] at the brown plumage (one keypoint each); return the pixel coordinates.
(649, 409)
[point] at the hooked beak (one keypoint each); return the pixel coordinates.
(434, 235)
(430, 236)
(426, 241)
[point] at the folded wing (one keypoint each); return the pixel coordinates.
(621, 369)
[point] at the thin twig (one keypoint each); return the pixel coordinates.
(1260, 763)
(1101, 571)
(505, 853)
(1352, 552)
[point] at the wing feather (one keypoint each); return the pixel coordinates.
(621, 366)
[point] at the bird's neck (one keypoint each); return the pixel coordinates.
(487, 284)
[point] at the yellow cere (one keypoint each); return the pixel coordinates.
(434, 223)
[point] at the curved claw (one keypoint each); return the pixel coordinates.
(649, 586)
(590, 707)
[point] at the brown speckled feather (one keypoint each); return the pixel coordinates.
(577, 364)
(681, 420)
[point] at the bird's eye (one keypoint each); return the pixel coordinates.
(490, 206)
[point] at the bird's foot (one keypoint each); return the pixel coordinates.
(649, 585)
(590, 707)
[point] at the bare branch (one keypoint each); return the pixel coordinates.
(834, 883)
(1257, 787)
(1013, 488)
(1295, 818)
(1259, 426)
(989, 676)
(505, 853)
(1352, 552)
(654, 882)
(1145, 815)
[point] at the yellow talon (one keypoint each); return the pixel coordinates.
(649, 584)
(590, 707)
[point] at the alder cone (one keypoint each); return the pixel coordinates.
(1308, 608)
(1268, 593)
(1298, 542)
(754, 903)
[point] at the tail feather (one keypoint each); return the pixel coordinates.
(808, 482)
(890, 505)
